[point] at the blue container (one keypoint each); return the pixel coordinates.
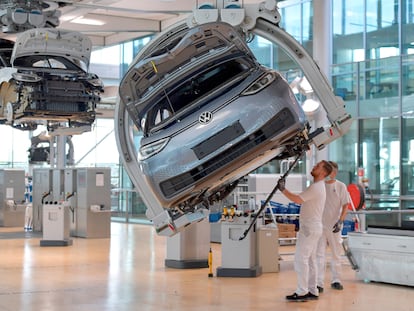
(293, 208)
(214, 217)
(348, 226)
(280, 208)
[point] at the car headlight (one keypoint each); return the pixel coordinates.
(260, 84)
(149, 150)
(26, 77)
(96, 82)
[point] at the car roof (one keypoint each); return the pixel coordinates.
(194, 48)
(74, 46)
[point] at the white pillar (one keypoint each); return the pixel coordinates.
(322, 21)
(60, 151)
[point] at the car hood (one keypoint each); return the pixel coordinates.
(73, 46)
(176, 57)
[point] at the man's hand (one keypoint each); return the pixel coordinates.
(337, 227)
(281, 184)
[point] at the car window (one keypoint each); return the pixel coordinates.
(191, 90)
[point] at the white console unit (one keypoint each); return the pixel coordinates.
(383, 257)
(56, 224)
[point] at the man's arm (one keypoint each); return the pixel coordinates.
(343, 212)
(293, 197)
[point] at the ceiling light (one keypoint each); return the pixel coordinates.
(294, 85)
(87, 21)
(310, 106)
(305, 86)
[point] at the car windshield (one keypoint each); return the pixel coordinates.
(190, 91)
(45, 61)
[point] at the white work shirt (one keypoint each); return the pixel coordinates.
(313, 205)
(336, 197)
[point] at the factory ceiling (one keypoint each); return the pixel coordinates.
(106, 22)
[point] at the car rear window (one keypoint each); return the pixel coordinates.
(193, 89)
(45, 61)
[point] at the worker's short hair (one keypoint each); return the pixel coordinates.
(333, 164)
(327, 167)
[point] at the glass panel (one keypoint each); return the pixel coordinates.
(344, 152)
(348, 27)
(382, 28)
(382, 87)
(297, 20)
(407, 156)
(407, 219)
(380, 155)
(96, 148)
(291, 21)
(307, 27)
(407, 83)
(384, 204)
(14, 146)
(345, 85)
(407, 27)
(262, 49)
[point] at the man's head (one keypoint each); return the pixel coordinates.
(334, 169)
(321, 170)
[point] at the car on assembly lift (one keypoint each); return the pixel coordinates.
(50, 81)
(209, 113)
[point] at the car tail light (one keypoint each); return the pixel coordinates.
(260, 84)
(149, 150)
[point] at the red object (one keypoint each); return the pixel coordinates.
(357, 194)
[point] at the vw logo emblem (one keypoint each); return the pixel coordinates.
(205, 117)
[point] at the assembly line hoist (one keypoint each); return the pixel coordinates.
(260, 19)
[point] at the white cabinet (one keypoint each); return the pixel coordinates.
(383, 258)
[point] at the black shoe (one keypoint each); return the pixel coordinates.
(310, 296)
(296, 297)
(320, 289)
(337, 285)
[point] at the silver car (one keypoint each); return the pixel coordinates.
(209, 114)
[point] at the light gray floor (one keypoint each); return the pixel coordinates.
(127, 272)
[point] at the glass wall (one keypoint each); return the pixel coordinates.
(14, 148)
(372, 53)
(365, 30)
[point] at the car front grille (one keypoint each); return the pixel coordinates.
(62, 96)
(276, 125)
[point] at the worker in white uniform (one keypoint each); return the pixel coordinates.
(336, 208)
(310, 231)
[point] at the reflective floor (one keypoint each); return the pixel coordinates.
(127, 272)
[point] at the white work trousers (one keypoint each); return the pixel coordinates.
(334, 241)
(305, 259)
(28, 217)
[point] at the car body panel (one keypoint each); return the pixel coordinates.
(73, 46)
(203, 44)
